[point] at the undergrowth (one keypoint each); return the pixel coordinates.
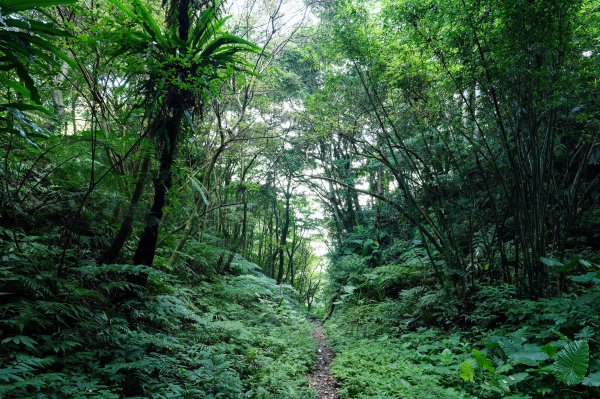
(377, 358)
(86, 332)
(517, 349)
(397, 334)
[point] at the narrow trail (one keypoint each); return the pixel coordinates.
(321, 379)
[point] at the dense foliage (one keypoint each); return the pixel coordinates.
(224, 337)
(94, 302)
(455, 147)
(171, 177)
(513, 347)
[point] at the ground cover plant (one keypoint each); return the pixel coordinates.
(231, 336)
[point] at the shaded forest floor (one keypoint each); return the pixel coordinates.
(227, 336)
(384, 352)
(376, 360)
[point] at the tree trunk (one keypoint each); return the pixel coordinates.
(284, 231)
(58, 101)
(111, 254)
(144, 254)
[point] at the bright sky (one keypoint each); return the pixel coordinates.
(285, 16)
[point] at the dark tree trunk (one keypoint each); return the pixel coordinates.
(144, 254)
(112, 252)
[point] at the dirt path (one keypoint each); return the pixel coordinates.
(321, 379)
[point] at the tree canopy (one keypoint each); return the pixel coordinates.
(185, 183)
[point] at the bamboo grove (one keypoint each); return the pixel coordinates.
(475, 126)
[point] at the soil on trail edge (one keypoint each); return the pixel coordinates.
(321, 379)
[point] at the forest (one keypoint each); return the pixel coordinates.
(286, 199)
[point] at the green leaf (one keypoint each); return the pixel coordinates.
(349, 289)
(52, 49)
(530, 355)
(572, 362)
(544, 390)
(9, 6)
(467, 373)
(198, 186)
(237, 43)
(16, 86)
(205, 27)
(585, 333)
(550, 349)
(147, 20)
(586, 278)
(447, 355)
(122, 7)
(551, 262)
(516, 378)
(21, 339)
(482, 361)
(592, 380)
